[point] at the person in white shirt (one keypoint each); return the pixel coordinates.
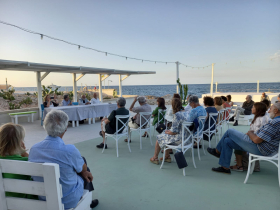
(188, 108)
(95, 99)
(260, 119)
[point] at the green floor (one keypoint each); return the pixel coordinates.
(132, 182)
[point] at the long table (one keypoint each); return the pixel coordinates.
(81, 112)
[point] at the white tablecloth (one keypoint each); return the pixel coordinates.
(82, 112)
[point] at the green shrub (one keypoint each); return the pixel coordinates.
(14, 106)
(26, 101)
(28, 94)
(8, 95)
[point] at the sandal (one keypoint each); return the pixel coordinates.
(126, 141)
(166, 159)
(145, 135)
(237, 168)
(154, 160)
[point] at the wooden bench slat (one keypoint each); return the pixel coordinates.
(25, 204)
(24, 186)
(21, 167)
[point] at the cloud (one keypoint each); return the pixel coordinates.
(275, 56)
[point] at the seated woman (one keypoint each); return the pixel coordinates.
(210, 108)
(12, 148)
(218, 105)
(48, 102)
(260, 119)
(172, 135)
(176, 95)
(229, 100)
(155, 114)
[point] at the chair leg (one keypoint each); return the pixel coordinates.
(208, 140)
(197, 144)
(140, 140)
(150, 138)
(203, 145)
(252, 167)
(163, 158)
(248, 171)
(193, 157)
(104, 144)
(128, 139)
(117, 148)
(184, 171)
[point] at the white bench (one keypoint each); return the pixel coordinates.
(15, 116)
(50, 188)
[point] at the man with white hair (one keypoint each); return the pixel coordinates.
(264, 142)
(95, 99)
(75, 176)
(245, 110)
(144, 107)
(83, 100)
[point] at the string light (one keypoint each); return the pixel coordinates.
(106, 53)
(79, 46)
(41, 36)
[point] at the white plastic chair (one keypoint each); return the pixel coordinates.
(219, 125)
(160, 115)
(210, 132)
(199, 134)
(145, 126)
(227, 112)
(118, 135)
(253, 158)
(182, 146)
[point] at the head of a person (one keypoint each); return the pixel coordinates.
(224, 99)
(83, 97)
(274, 110)
(278, 97)
(66, 97)
(208, 101)
(218, 101)
(248, 98)
(188, 97)
(229, 98)
(263, 94)
(259, 110)
(95, 95)
(176, 105)
(267, 103)
(121, 102)
(47, 97)
(55, 123)
(55, 96)
(193, 101)
(11, 139)
(141, 100)
(161, 103)
(176, 95)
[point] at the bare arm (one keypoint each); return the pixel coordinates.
(254, 137)
(133, 103)
(86, 174)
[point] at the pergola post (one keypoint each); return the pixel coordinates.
(212, 78)
(120, 85)
(100, 88)
(74, 88)
(39, 89)
(177, 75)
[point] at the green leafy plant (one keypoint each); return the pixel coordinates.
(58, 92)
(183, 91)
(26, 101)
(35, 93)
(8, 95)
(71, 95)
(115, 94)
(47, 90)
(88, 96)
(106, 97)
(14, 106)
(28, 94)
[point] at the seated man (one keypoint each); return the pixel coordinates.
(245, 110)
(83, 100)
(74, 174)
(264, 142)
(188, 108)
(66, 101)
(278, 99)
(95, 99)
(108, 125)
(264, 96)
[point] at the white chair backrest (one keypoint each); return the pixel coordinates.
(201, 121)
(145, 119)
(50, 188)
(221, 116)
(185, 128)
(212, 116)
(123, 125)
(161, 115)
(227, 112)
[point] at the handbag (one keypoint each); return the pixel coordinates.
(160, 128)
(180, 160)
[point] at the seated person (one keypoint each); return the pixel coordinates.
(83, 100)
(264, 96)
(48, 102)
(225, 102)
(176, 95)
(144, 107)
(172, 135)
(66, 101)
(108, 125)
(95, 99)
(264, 142)
(210, 108)
(278, 98)
(218, 105)
(75, 176)
(188, 108)
(260, 119)
(245, 110)
(196, 112)
(267, 103)
(229, 100)
(12, 148)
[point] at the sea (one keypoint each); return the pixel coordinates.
(162, 90)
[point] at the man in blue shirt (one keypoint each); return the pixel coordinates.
(265, 142)
(66, 101)
(74, 174)
(83, 100)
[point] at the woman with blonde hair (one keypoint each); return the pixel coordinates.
(12, 148)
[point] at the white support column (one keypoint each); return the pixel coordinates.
(212, 78)
(74, 88)
(177, 75)
(100, 88)
(39, 89)
(120, 85)
(216, 87)
(258, 86)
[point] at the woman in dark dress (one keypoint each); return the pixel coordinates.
(48, 102)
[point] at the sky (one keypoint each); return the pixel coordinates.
(241, 37)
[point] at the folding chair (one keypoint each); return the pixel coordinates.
(210, 131)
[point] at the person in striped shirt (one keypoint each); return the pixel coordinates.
(264, 142)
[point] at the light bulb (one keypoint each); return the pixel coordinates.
(79, 46)
(42, 36)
